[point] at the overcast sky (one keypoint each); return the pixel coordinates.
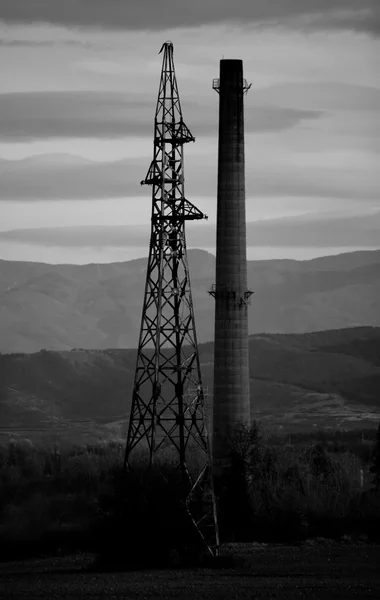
(77, 99)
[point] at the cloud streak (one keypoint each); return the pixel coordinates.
(325, 96)
(303, 231)
(152, 15)
(315, 181)
(41, 115)
(72, 178)
(18, 43)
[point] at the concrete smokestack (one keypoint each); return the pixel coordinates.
(231, 366)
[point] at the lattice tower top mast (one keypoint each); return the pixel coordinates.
(168, 409)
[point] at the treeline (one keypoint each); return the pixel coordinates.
(360, 442)
(64, 499)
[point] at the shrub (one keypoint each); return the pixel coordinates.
(272, 492)
(375, 467)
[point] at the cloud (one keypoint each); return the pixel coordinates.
(365, 18)
(317, 181)
(153, 15)
(39, 115)
(53, 177)
(86, 236)
(271, 118)
(317, 231)
(325, 96)
(91, 114)
(69, 177)
(18, 43)
(326, 230)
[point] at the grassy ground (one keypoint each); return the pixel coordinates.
(311, 570)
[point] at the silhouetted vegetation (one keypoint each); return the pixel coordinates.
(375, 467)
(359, 442)
(63, 499)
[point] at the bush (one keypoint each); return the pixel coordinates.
(79, 498)
(375, 467)
(294, 491)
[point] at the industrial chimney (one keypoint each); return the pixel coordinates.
(231, 367)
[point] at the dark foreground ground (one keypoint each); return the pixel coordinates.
(317, 569)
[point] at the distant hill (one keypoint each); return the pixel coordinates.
(298, 381)
(98, 306)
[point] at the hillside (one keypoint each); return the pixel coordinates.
(98, 306)
(323, 379)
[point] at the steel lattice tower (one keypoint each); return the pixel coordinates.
(168, 408)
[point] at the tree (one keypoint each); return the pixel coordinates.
(375, 467)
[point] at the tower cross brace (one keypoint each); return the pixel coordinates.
(168, 412)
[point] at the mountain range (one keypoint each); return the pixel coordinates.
(328, 379)
(98, 306)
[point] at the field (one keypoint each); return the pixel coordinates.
(314, 570)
